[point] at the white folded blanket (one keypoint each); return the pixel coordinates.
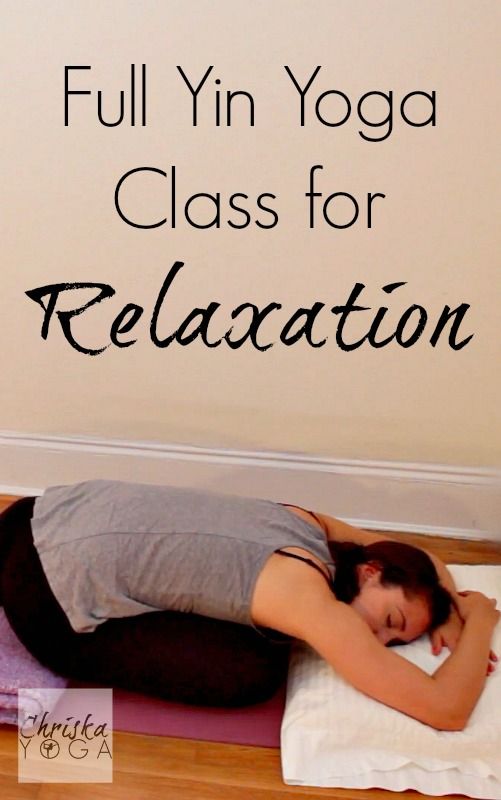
(333, 735)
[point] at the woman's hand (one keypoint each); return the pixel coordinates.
(449, 633)
(469, 603)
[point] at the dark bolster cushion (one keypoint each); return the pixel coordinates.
(181, 657)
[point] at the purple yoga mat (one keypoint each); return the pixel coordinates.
(257, 725)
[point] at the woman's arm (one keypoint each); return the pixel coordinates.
(295, 600)
(444, 700)
(338, 531)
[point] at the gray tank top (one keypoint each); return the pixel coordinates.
(116, 549)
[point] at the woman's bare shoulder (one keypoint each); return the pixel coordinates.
(288, 592)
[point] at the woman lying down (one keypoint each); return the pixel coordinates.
(196, 596)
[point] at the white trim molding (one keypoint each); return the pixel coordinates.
(387, 495)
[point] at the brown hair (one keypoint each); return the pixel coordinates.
(401, 565)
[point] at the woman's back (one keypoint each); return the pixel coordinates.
(113, 549)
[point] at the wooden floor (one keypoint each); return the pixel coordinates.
(157, 767)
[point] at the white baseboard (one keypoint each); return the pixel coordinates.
(464, 502)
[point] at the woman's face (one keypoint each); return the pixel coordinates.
(393, 617)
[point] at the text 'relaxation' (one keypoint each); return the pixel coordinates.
(203, 322)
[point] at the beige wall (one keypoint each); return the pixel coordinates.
(437, 228)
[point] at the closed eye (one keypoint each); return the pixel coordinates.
(402, 623)
(394, 642)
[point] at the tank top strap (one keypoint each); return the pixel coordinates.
(306, 561)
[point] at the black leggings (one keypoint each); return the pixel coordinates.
(168, 654)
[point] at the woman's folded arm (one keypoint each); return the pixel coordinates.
(443, 700)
